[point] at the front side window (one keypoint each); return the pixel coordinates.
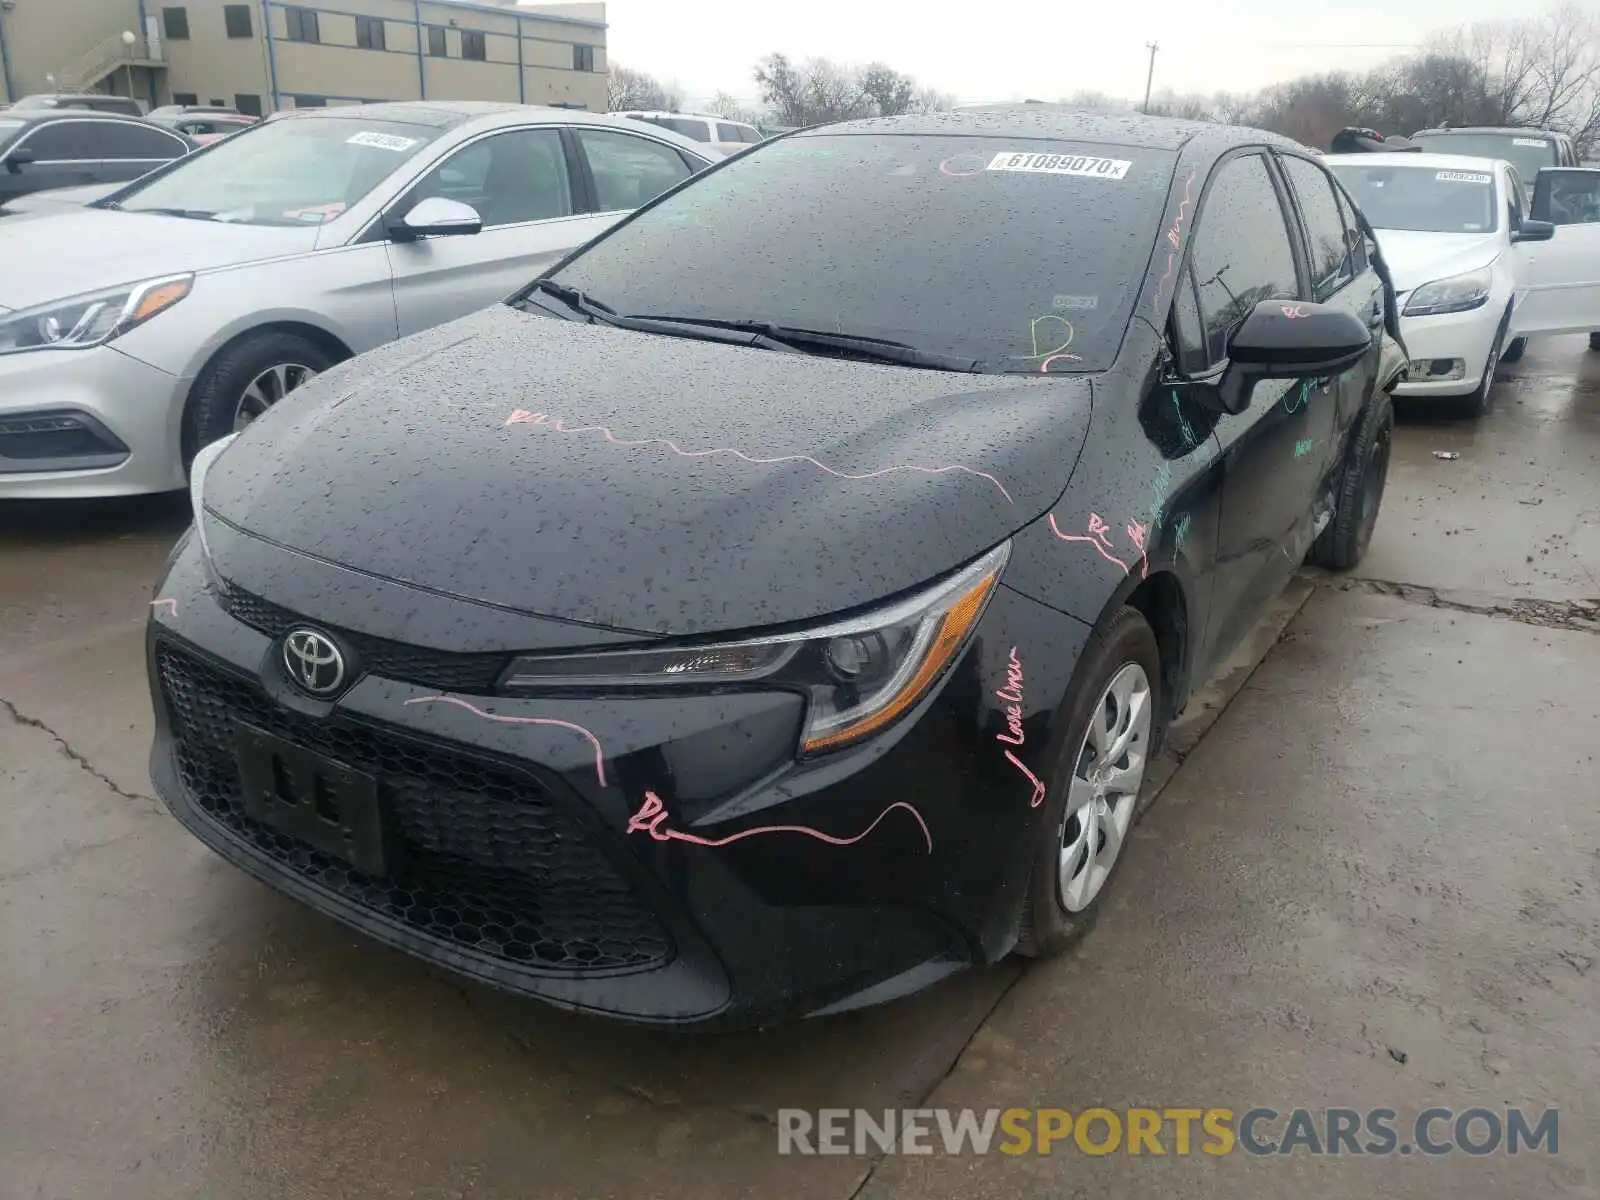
(700, 131)
(64, 141)
(287, 171)
(728, 133)
(1422, 198)
(509, 178)
(1326, 240)
(629, 171)
(1353, 233)
(1241, 253)
(1574, 198)
(1018, 254)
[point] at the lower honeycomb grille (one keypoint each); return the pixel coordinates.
(495, 864)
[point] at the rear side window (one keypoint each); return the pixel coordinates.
(125, 142)
(1242, 254)
(64, 141)
(700, 131)
(1352, 233)
(629, 171)
(728, 133)
(1326, 243)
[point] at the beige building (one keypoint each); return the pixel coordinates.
(264, 55)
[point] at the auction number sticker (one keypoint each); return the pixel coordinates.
(1540, 142)
(382, 141)
(1060, 164)
(1461, 177)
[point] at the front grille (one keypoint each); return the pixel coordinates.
(494, 863)
(440, 669)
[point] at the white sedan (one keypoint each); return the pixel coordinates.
(146, 324)
(1469, 270)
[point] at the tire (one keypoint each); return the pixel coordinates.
(1480, 400)
(1513, 352)
(254, 372)
(1124, 651)
(1344, 542)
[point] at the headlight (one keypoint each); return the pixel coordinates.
(197, 482)
(92, 320)
(1459, 293)
(860, 675)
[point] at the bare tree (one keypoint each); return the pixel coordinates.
(890, 92)
(928, 100)
(628, 89)
(820, 89)
(724, 105)
(1095, 101)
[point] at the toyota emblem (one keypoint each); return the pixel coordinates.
(313, 662)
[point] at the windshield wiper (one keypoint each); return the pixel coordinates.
(190, 214)
(577, 301)
(604, 314)
(869, 348)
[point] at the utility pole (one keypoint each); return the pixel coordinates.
(1150, 77)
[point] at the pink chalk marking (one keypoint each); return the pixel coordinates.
(652, 813)
(521, 416)
(599, 756)
(1033, 335)
(168, 603)
(1175, 238)
(1294, 312)
(1139, 534)
(1038, 787)
(1096, 539)
(1044, 367)
(944, 167)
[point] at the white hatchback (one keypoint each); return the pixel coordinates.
(1474, 273)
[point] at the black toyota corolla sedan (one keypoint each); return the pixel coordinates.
(776, 606)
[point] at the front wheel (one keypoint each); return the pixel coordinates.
(1112, 733)
(1513, 352)
(246, 379)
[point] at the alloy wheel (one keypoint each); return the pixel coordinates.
(1104, 792)
(266, 389)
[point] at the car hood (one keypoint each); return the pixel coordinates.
(60, 254)
(55, 199)
(642, 482)
(1416, 258)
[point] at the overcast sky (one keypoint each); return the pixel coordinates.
(995, 50)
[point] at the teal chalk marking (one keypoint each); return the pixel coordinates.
(1181, 532)
(1189, 439)
(1298, 403)
(1303, 447)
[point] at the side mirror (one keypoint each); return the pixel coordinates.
(436, 217)
(1289, 339)
(19, 158)
(1534, 231)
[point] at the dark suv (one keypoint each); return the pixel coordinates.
(42, 149)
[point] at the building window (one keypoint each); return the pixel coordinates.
(369, 33)
(583, 58)
(310, 101)
(176, 22)
(302, 25)
(237, 18)
(437, 46)
(248, 104)
(187, 99)
(474, 46)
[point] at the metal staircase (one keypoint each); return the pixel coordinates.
(104, 59)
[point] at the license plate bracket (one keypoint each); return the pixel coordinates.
(325, 803)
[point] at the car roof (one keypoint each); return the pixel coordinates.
(1437, 162)
(451, 114)
(661, 112)
(1065, 123)
(34, 115)
(1506, 129)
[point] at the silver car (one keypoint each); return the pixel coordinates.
(170, 313)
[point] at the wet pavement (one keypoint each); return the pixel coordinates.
(1375, 882)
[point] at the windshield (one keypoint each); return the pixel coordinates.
(293, 171)
(1020, 254)
(1526, 154)
(1422, 198)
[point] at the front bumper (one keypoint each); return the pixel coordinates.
(1462, 338)
(85, 423)
(528, 866)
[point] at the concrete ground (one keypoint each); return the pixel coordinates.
(1375, 882)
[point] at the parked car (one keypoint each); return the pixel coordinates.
(57, 200)
(60, 148)
(1528, 150)
(1358, 139)
(206, 126)
(1478, 266)
(725, 136)
(174, 311)
(776, 606)
(93, 101)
